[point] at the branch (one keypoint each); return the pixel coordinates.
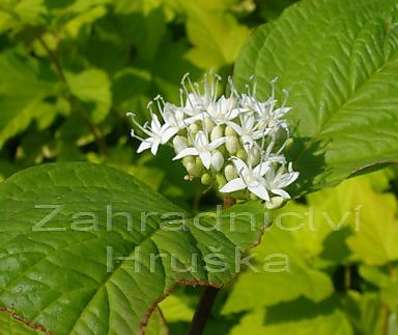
(203, 310)
(99, 137)
(53, 57)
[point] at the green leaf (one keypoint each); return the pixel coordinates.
(277, 263)
(127, 84)
(174, 309)
(92, 87)
(24, 83)
(10, 325)
(157, 324)
(271, 9)
(258, 322)
(339, 61)
(217, 37)
(363, 310)
(15, 14)
(73, 26)
(334, 215)
(76, 274)
(375, 240)
(386, 281)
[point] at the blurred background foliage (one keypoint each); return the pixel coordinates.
(70, 70)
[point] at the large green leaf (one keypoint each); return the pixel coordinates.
(76, 274)
(339, 61)
(10, 325)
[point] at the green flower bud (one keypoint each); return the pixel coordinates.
(199, 163)
(216, 133)
(208, 124)
(229, 131)
(254, 156)
(180, 143)
(188, 159)
(275, 202)
(193, 169)
(206, 179)
(194, 128)
(217, 160)
(223, 150)
(232, 144)
(230, 172)
(241, 154)
(220, 180)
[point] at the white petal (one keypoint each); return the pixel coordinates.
(155, 147)
(212, 110)
(287, 179)
(281, 192)
(239, 165)
(276, 158)
(201, 139)
(261, 169)
(217, 142)
(249, 122)
(233, 186)
(233, 113)
(186, 152)
(205, 157)
(260, 133)
(168, 133)
(260, 191)
(192, 119)
(155, 124)
(236, 127)
(144, 146)
(282, 111)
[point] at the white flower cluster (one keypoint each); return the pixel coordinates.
(233, 142)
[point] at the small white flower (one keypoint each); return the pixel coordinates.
(251, 179)
(195, 105)
(174, 116)
(277, 181)
(223, 110)
(202, 147)
(248, 130)
(158, 134)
